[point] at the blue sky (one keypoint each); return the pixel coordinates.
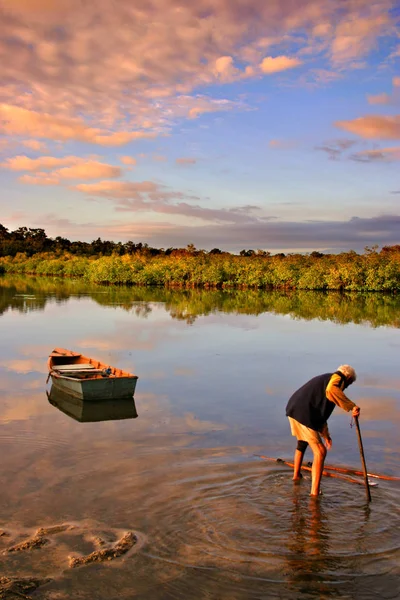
(247, 124)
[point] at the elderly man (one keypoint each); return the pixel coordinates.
(308, 411)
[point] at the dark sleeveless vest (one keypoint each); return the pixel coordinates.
(309, 405)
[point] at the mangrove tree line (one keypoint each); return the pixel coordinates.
(30, 251)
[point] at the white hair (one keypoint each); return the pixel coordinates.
(348, 371)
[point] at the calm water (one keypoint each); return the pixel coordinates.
(180, 467)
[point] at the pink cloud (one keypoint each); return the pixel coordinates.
(185, 161)
(118, 189)
(356, 35)
(276, 64)
(282, 144)
(225, 69)
(36, 8)
(4, 144)
(384, 98)
(194, 106)
(373, 127)
(128, 160)
(379, 99)
(88, 170)
(112, 62)
(50, 170)
(147, 196)
(39, 179)
(377, 154)
(34, 145)
(226, 72)
(20, 121)
(24, 163)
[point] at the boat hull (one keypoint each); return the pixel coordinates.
(96, 389)
(88, 379)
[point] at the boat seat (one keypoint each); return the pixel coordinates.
(73, 367)
(57, 352)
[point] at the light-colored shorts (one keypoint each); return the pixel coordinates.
(301, 432)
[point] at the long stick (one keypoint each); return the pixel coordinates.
(364, 466)
(355, 472)
(304, 468)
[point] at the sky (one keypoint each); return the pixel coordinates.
(226, 124)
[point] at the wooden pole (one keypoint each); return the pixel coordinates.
(364, 466)
(356, 472)
(324, 472)
(348, 471)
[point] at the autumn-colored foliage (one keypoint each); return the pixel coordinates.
(104, 262)
(371, 271)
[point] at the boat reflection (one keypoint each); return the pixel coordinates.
(85, 412)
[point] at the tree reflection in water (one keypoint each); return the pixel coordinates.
(24, 293)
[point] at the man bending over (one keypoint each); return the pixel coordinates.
(308, 411)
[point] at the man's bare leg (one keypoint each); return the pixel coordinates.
(319, 452)
(298, 459)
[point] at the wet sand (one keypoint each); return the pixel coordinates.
(89, 545)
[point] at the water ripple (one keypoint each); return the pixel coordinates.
(255, 520)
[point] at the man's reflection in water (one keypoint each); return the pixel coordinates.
(315, 568)
(308, 546)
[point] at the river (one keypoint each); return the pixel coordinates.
(181, 468)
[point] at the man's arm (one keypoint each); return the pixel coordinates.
(335, 394)
(327, 436)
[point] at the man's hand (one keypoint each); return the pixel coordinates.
(355, 412)
(328, 443)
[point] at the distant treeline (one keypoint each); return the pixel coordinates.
(30, 241)
(137, 264)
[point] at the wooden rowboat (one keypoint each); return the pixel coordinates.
(87, 378)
